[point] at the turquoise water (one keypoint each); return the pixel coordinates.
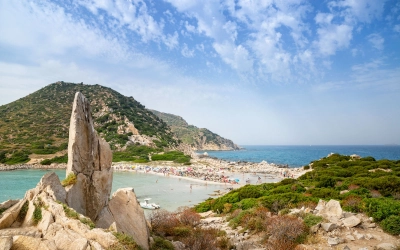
(168, 192)
(296, 156)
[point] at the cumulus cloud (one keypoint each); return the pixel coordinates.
(376, 41)
(331, 37)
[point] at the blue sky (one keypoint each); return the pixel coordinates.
(257, 72)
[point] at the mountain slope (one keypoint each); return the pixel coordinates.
(197, 138)
(39, 122)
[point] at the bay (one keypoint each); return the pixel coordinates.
(169, 192)
(297, 156)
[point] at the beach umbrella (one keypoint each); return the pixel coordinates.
(237, 180)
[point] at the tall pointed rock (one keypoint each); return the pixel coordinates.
(89, 159)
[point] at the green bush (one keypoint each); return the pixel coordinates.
(182, 231)
(3, 157)
(248, 203)
(18, 157)
(70, 180)
(124, 242)
(381, 208)
(160, 243)
(204, 206)
(311, 220)
(249, 191)
(37, 214)
(23, 211)
(391, 224)
(324, 193)
(57, 159)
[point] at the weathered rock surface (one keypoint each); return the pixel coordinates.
(351, 221)
(89, 158)
(6, 242)
(126, 214)
(331, 210)
(385, 246)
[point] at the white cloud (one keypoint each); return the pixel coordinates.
(186, 52)
(236, 56)
(136, 16)
(189, 27)
(363, 10)
(46, 30)
(377, 41)
(331, 37)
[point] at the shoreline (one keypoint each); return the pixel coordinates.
(206, 170)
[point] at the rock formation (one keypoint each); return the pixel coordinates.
(89, 159)
(47, 218)
(124, 213)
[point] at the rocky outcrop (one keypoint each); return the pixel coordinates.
(89, 159)
(41, 221)
(125, 215)
(53, 217)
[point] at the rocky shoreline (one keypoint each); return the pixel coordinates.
(4, 167)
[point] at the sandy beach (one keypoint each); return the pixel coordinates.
(208, 170)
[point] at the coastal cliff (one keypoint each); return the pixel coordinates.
(196, 138)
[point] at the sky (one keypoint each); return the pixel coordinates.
(269, 72)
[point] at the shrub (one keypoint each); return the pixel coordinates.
(391, 224)
(70, 213)
(23, 211)
(326, 182)
(324, 193)
(88, 222)
(70, 180)
(311, 220)
(163, 222)
(227, 208)
(204, 206)
(58, 159)
(160, 243)
(37, 214)
(353, 203)
(204, 239)
(188, 217)
(381, 208)
(248, 203)
(284, 232)
(181, 231)
(124, 242)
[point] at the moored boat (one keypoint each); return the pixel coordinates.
(145, 204)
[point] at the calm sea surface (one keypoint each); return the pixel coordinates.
(172, 193)
(169, 192)
(297, 156)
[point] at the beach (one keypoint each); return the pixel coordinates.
(215, 171)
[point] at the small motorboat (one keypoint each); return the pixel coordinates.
(145, 204)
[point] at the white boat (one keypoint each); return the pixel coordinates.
(145, 204)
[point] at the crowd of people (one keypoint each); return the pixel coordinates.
(202, 174)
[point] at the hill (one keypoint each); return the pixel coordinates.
(197, 138)
(39, 122)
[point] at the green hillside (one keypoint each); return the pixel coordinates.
(197, 138)
(39, 122)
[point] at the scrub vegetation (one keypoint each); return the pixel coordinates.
(370, 186)
(182, 226)
(39, 122)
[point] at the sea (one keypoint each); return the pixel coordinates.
(172, 193)
(297, 156)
